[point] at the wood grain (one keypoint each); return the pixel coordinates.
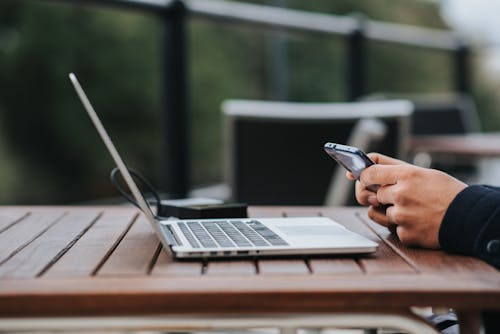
(283, 267)
(233, 294)
(336, 266)
(392, 279)
(166, 266)
(428, 260)
(93, 247)
(134, 254)
(227, 268)
(23, 233)
(11, 216)
(49, 247)
(385, 260)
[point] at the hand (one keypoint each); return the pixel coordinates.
(365, 195)
(410, 200)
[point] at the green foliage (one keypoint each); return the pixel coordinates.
(50, 152)
(116, 55)
(224, 63)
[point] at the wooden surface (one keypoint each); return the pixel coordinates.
(78, 261)
(477, 145)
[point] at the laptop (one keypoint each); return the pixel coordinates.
(236, 237)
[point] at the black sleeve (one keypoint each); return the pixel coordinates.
(471, 225)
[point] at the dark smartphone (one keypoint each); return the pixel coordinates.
(351, 158)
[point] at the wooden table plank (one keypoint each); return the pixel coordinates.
(9, 217)
(25, 231)
(285, 266)
(473, 145)
(431, 261)
(181, 288)
(96, 244)
(385, 260)
(236, 294)
(227, 268)
(135, 253)
(335, 266)
(39, 254)
(166, 266)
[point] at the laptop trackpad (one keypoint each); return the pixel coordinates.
(313, 230)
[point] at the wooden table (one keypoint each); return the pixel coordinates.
(105, 264)
(474, 145)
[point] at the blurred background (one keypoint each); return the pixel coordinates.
(50, 153)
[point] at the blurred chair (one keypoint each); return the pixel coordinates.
(438, 113)
(444, 114)
(274, 150)
(441, 114)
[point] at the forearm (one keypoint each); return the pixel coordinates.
(471, 224)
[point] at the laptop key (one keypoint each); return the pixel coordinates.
(218, 235)
(234, 234)
(267, 233)
(202, 235)
(189, 236)
(250, 234)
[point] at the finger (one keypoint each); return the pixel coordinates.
(395, 214)
(350, 176)
(361, 194)
(378, 215)
(380, 174)
(389, 213)
(385, 194)
(365, 196)
(406, 236)
(384, 160)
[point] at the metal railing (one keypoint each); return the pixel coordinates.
(356, 30)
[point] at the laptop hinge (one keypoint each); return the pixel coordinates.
(171, 236)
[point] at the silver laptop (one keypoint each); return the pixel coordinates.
(231, 237)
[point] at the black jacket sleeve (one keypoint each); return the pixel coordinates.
(471, 225)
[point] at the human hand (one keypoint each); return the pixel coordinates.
(410, 200)
(365, 194)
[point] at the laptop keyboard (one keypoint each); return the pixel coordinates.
(225, 234)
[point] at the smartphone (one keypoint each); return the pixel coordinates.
(351, 158)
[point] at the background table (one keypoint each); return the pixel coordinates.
(105, 261)
(474, 145)
(479, 153)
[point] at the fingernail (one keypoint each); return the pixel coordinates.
(373, 200)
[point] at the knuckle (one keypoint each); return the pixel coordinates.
(405, 236)
(369, 174)
(374, 215)
(402, 194)
(399, 196)
(398, 216)
(377, 172)
(365, 176)
(408, 172)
